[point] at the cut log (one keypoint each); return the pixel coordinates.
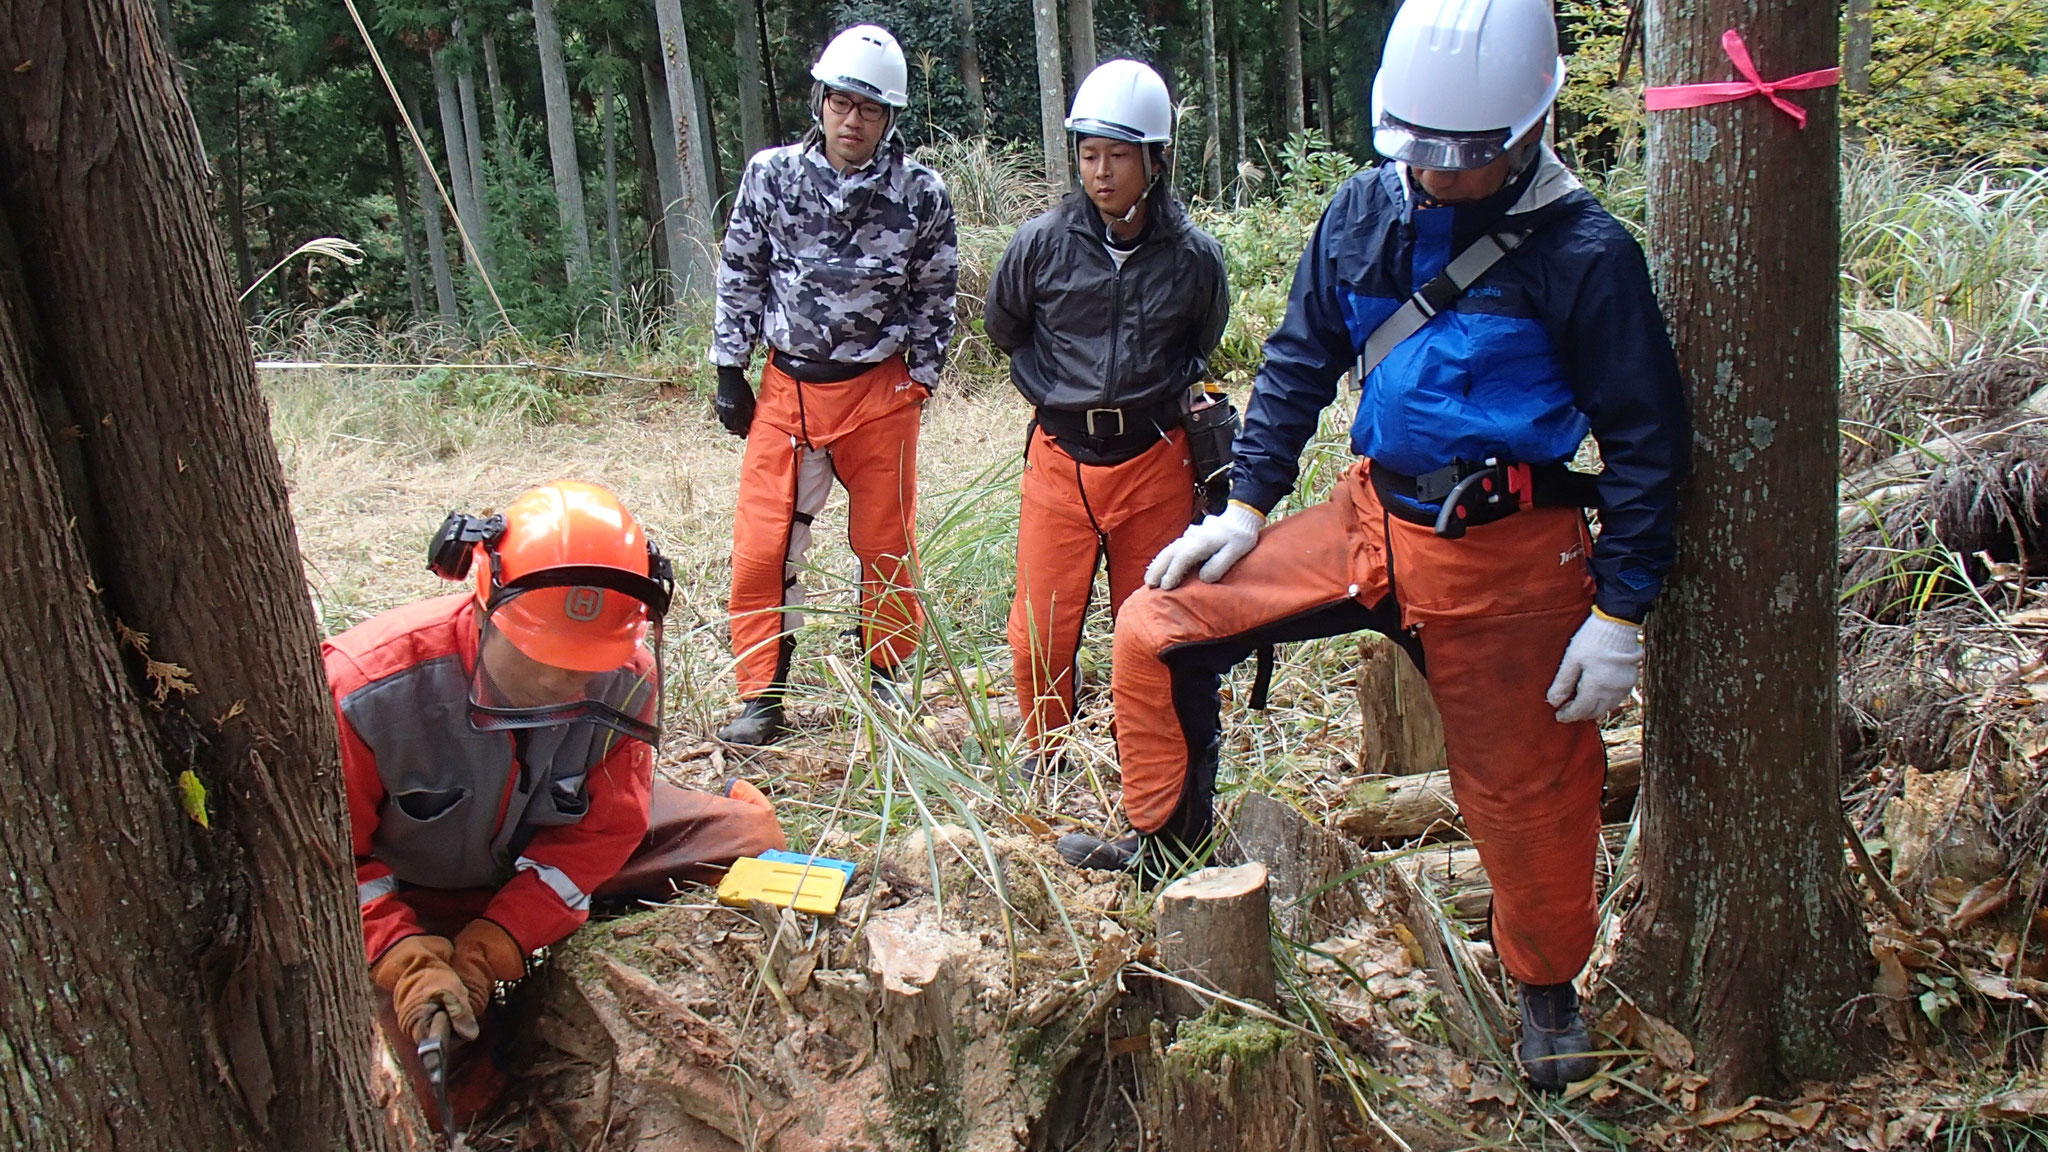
(1401, 733)
(1397, 809)
(1228, 1083)
(1215, 931)
(1311, 872)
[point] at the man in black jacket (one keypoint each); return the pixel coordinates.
(1109, 306)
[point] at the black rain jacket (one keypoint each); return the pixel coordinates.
(1081, 334)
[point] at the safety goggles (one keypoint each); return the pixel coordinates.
(573, 644)
(1433, 148)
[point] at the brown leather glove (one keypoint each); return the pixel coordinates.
(484, 954)
(416, 973)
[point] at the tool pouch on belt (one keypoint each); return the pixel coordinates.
(1211, 424)
(1463, 494)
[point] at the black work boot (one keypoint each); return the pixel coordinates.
(883, 687)
(1092, 852)
(1554, 1041)
(760, 722)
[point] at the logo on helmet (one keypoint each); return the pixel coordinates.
(583, 604)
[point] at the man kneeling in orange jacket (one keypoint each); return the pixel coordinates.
(498, 747)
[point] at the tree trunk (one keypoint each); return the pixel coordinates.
(1052, 94)
(1401, 733)
(1292, 119)
(172, 986)
(1081, 37)
(501, 108)
(238, 218)
(403, 197)
(554, 84)
(689, 214)
(455, 142)
(746, 48)
(1856, 48)
(651, 198)
(430, 216)
(1212, 106)
(1239, 1084)
(707, 136)
(1239, 149)
(768, 77)
(473, 141)
(611, 189)
(1326, 97)
(970, 65)
(1747, 936)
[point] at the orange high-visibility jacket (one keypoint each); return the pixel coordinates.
(542, 815)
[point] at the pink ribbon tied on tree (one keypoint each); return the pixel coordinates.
(1698, 95)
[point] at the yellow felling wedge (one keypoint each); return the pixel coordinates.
(814, 888)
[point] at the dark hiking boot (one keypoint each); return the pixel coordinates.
(883, 687)
(1092, 852)
(1040, 766)
(1554, 1042)
(760, 722)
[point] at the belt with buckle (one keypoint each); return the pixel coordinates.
(1465, 494)
(1110, 435)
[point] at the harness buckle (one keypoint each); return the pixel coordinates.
(1089, 416)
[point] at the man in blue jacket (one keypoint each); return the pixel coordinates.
(1461, 533)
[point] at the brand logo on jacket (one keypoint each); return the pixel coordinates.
(1573, 553)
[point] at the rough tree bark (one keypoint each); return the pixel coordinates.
(1292, 117)
(554, 86)
(611, 186)
(1326, 98)
(1052, 93)
(1856, 48)
(473, 141)
(1746, 936)
(402, 196)
(1212, 106)
(430, 214)
(651, 187)
(970, 65)
(170, 986)
(238, 218)
(746, 48)
(1081, 37)
(455, 141)
(690, 212)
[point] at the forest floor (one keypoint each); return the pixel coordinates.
(974, 992)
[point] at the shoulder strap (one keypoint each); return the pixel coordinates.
(1440, 293)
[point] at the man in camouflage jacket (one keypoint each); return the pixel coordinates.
(840, 256)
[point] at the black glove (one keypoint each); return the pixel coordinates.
(734, 401)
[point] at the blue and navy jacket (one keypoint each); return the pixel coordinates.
(1560, 337)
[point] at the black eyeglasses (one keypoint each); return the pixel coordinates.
(843, 105)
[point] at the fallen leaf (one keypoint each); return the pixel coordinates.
(1724, 1115)
(1496, 1091)
(1991, 986)
(1667, 1045)
(1747, 1130)
(1981, 901)
(1806, 1115)
(1034, 825)
(2019, 1105)
(1892, 981)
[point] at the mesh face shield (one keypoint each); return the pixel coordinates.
(578, 643)
(1432, 148)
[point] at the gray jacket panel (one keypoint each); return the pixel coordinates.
(1082, 333)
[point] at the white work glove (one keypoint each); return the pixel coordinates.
(1600, 667)
(1216, 543)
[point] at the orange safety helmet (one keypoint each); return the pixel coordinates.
(565, 573)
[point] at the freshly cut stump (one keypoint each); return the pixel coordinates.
(1215, 931)
(1400, 732)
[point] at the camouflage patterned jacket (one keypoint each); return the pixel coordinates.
(851, 269)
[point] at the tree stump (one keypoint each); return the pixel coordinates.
(1229, 1083)
(1215, 930)
(1401, 733)
(1310, 871)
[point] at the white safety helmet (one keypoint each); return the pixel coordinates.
(866, 61)
(1462, 79)
(1123, 100)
